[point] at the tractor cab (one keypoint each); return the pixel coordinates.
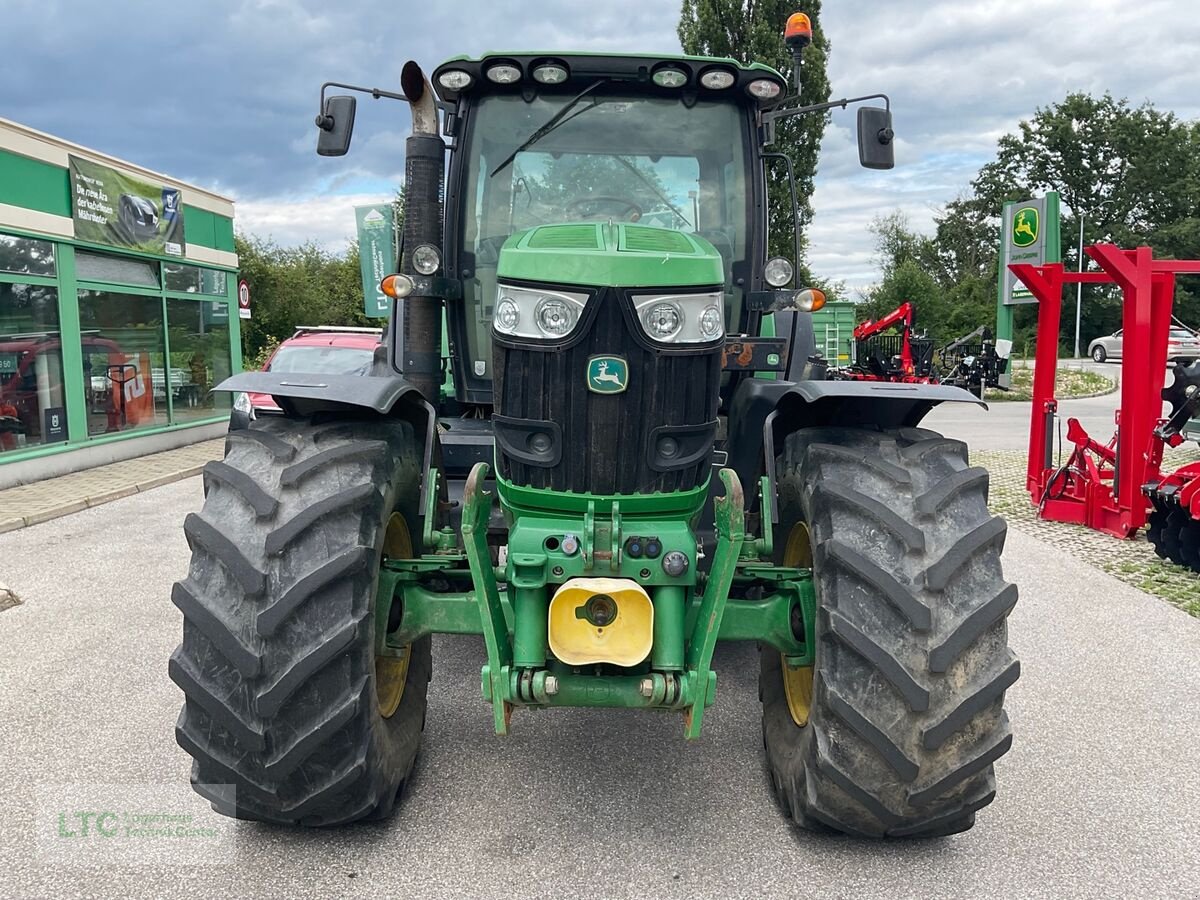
(664, 151)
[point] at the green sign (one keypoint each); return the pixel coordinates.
(607, 374)
(8, 363)
(121, 210)
(1025, 226)
(376, 254)
(1029, 234)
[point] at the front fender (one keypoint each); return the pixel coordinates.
(302, 395)
(763, 413)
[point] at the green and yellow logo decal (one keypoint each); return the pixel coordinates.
(607, 374)
(1025, 226)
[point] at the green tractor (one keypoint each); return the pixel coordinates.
(595, 435)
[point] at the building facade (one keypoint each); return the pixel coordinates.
(118, 305)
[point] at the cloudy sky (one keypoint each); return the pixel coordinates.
(222, 93)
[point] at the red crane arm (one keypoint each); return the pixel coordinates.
(902, 313)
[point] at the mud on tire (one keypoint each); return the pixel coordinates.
(912, 658)
(277, 659)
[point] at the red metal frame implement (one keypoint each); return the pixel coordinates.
(1104, 493)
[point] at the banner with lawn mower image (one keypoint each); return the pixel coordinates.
(114, 208)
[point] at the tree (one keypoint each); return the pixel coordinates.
(752, 31)
(1131, 173)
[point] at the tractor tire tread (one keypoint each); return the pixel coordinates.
(906, 720)
(277, 660)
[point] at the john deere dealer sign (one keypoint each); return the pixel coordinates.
(1028, 234)
(117, 209)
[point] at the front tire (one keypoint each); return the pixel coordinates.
(905, 716)
(1098, 354)
(283, 711)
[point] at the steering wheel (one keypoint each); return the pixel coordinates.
(629, 210)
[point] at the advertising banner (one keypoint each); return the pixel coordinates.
(377, 255)
(114, 208)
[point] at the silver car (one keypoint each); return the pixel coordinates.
(1181, 344)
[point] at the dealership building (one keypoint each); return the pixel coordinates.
(118, 308)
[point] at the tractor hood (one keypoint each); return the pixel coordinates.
(600, 254)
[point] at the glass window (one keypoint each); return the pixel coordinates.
(33, 406)
(325, 360)
(618, 157)
(122, 269)
(194, 279)
(199, 339)
(123, 361)
(25, 256)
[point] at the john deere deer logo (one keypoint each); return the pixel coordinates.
(1025, 226)
(607, 374)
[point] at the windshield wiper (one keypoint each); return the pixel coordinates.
(648, 183)
(553, 122)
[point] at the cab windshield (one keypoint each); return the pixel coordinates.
(613, 156)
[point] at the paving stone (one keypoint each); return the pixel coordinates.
(30, 504)
(1132, 561)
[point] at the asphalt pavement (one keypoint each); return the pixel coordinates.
(1099, 796)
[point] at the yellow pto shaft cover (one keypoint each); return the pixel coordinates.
(601, 620)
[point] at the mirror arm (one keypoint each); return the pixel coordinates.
(772, 115)
(325, 123)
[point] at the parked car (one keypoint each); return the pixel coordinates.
(1181, 344)
(312, 350)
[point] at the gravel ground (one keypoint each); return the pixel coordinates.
(1099, 796)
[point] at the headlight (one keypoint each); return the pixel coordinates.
(541, 315)
(241, 402)
(554, 317)
(681, 318)
(426, 259)
(778, 272)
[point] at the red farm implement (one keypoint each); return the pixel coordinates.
(1115, 486)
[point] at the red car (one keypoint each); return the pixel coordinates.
(312, 350)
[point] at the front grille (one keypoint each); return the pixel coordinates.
(605, 443)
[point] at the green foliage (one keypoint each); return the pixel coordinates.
(752, 31)
(292, 286)
(1132, 173)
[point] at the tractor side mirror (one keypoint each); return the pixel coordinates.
(336, 124)
(875, 135)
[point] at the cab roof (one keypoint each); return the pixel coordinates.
(583, 68)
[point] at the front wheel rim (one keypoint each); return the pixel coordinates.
(391, 672)
(797, 680)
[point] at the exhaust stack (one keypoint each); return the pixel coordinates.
(417, 336)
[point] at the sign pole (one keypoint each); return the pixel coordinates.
(1079, 289)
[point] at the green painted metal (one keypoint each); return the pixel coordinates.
(33, 184)
(658, 57)
(518, 500)
(622, 255)
(530, 616)
(476, 511)
(833, 329)
(72, 348)
(731, 531)
(533, 536)
(427, 612)
(670, 603)
(207, 229)
(768, 620)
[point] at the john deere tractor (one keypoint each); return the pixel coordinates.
(592, 438)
